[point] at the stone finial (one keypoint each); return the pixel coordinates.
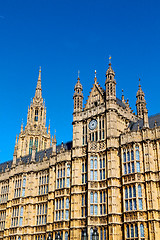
(95, 76)
(54, 142)
(122, 97)
(7, 167)
(15, 154)
(45, 155)
(20, 160)
(155, 124)
(62, 147)
(22, 126)
(145, 118)
(33, 157)
(49, 128)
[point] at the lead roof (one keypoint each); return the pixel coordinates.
(38, 157)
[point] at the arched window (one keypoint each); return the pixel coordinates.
(132, 231)
(128, 156)
(136, 230)
(91, 232)
(95, 169)
(104, 234)
(36, 143)
(130, 191)
(66, 235)
(77, 102)
(101, 234)
(132, 155)
(124, 157)
(95, 197)
(67, 203)
(142, 230)
(134, 191)
(140, 197)
(139, 191)
(137, 159)
(91, 197)
(30, 145)
(68, 176)
(126, 192)
(91, 168)
(128, 234)
(36, 115)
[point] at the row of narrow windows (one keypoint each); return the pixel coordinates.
(19, 189)
(94, 203)
(61, 177)
(60, 210)
(31, 145)
(43, 184)
(14, 238)
(20, 184)
(132, 231)
(41, 214)
(131, 161)
(2, 219)
(131, 198)
(78, 103)
(94, 168)
(131, 164)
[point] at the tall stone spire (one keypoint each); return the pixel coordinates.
(38, 93)
(35, 132)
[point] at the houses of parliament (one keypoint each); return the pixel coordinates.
(107, 177)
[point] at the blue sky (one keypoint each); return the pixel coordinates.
(64, 37)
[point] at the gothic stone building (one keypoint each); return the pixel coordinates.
(107, 176)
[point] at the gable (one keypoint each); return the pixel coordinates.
(96, 97)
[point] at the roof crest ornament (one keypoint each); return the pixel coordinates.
(78, 74)
(95, 76)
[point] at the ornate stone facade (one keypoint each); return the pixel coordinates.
(107, 176)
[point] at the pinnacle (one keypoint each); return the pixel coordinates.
(38, 92)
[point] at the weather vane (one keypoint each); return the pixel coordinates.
(110, 58)
(78, 73)
(95, 72)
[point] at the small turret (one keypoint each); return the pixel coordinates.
(110, 84)
(141, 102)
(78, 96)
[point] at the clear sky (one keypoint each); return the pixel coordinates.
(66, 36)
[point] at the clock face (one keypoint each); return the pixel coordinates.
(93, 124)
